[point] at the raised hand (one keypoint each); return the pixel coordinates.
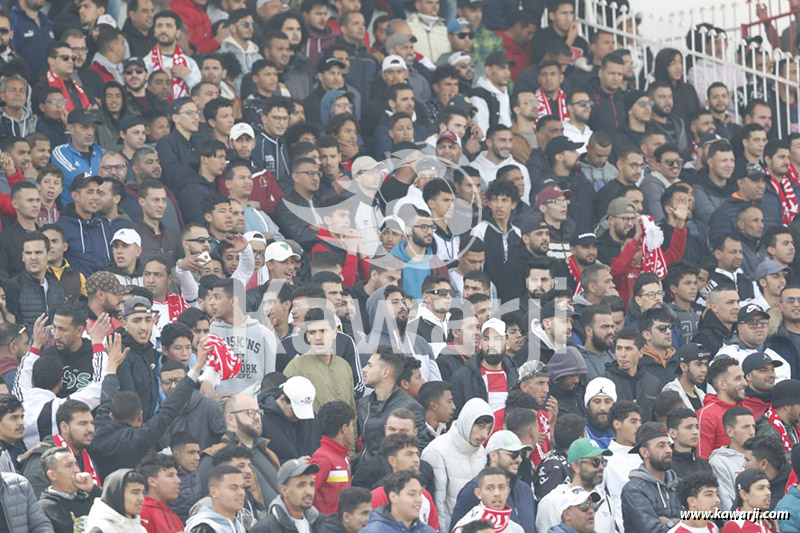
(39, 332)
(116, 355)
(99, 329)
(202, 355)
(238, 241)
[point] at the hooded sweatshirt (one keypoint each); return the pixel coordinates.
(455, 460)
(413, 277)
(108, 512)
(256, 346)
(381, 521)
(726, 464)
(279, 520)
(12, 127)
(206, 515)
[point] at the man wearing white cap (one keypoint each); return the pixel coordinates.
(126, 247)
(506, 452)
(266, 191)
(280, 261)
(489, 374)
(600, 395)
(578, 509)
(288, 420)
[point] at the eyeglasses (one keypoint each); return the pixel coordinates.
(791, 300)
(312, 173)
(653, 294)
(636, 166)
(585, 506)
(258, 253)
(250, 412)
(674, 162)
(443, 292)
(114, 167)
(758, 323)
(465, 35)
(200, 240)
(67, 58)
(191, 113)
(56, 101)
(583, 103)
(75, 49)
(279, 119)
(246, 23)
(628, 220)
(596, 462)
(130, 71)
(169, 382)
(426, 227)
(662, 328)
(5, 31)
(464, 64)
(646, 103)
(558, 201)
(344, 105)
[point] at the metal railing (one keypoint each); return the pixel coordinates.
(710, 53)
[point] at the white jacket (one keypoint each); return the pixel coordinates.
(107, 520)
(615, 475)
(548, 511)
(675, 385)
(454, 460)
(431, 34)
(488, 171)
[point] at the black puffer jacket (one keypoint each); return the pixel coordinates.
(711, 332)
(641, 388)
(63, 511)
(138, 372)
(468, 383)
(32, 300)
(289, 440)
(372, 416)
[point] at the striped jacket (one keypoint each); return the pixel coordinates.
(334, 475)
(71, 162)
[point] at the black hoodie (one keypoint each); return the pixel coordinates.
(62, 511)
(138, 372)
(289, 440)
(685, 463)
(711, 332)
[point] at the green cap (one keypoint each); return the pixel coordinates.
(583, 448)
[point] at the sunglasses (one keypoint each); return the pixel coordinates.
(130, 71)
(517, 454)
(68, 58)
(443, 292)
(5, 31)
(246, 23)
(585, 506)
(583, 103)
(200, 240)
(596, 462)
(465, 35)
(663, 328)
(674, 162)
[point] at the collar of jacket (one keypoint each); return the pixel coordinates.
(661, 360)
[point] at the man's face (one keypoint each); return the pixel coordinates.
(492, 342)
(597, 155)
(498, 74)
(493, 491)
(170, 379)
(626, 432)
(243, 30)
(611, 76)
(469, 189)
(65, 333)
(139, 326)
(241, 183)
(79, 431)
(154, 205)
(20, 153)
(298, 492)
(651, 295)
(167, 484)
(422, 232)
(165, 31)
(188, 117)
(276, 121)
(630, 168)
(407, 459)
(180, 350)
(134, 137)
(581, 108)
(112, 166)
(320, 337)
(161, 86)
(622, 225)
(731, 256)
(16, 93)
(477, 435)
(743, 429)
(762, 115)
(88, 198)
(759, 496)
(751, 222)
(355, 28)
(57, 247)
(6, 33)
(660, 335)
(539, 282)
(448, 150)
(663, 100)
(397, 308)
(501, 206)
(563, 17)
(687, 433)
(402, 131)
(89, 12)
(34, 257)
(27, 203)
(135, 76)
(316, 18)
(188, 456)
(134, 499)
(125, 255)
(670, 165)
(602, 330)
(230, 492)
(284, 270)
(142, 18)
(12, 426)
(627, 354)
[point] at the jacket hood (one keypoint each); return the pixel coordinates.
(541, 334)
(713, 398)
(566, 363)
(645, 475)
(484, 83)
(326, 105)
(114, 489)
(217, 522)
(725, 452)
(704, 181)
(472, 410)
(278, 509)
(711, 321)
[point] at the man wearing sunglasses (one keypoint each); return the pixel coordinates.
(663, 172)
(587, 462)
(578, 513)
(505, 453)
(433, 315)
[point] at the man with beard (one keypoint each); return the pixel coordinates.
(540, 280)
(505, 452)
(663, 120)
(692, 366)
(598, 327)
(719, 98)
(656, 327)
(727, 378)
(417, 250)
(649, 500)
(465, 335)
(781, 420)
(599, 398)
(583, 255)
(609, 112)
(564, 173)
(146, 167)
(701, 124)
(489, 374)
(134, 72)
(684, 431)
(719, 319)
(630, 164)
(535, 236)
(499, 143)
(293, 508)
(588, 463)
(243, 428)
(167, 55)
(576, 127)
(525, 112)
(621, 216)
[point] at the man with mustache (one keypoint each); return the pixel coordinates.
(294, 508)
(167, 55)
(600, 396)
(598, 325)
(489, 374)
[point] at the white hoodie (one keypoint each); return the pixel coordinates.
(482, 116)
(488, 171)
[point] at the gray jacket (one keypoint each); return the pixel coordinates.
(595, 364)
(726, 464)
(598, 176)
(645, 498)
(652, 189)
(21, 510)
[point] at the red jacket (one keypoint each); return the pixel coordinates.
(712, 433)
(333, 476)
(522, 55)
(102, 71)
(194, 18)
(266, 190)
(757, 405)
(350, 270)
(157, 517)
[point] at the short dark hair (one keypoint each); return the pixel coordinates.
(502, 188)
(716, 85)
(646, 278)
(569, 428)
(76, 310)
(351, 497)
(47, 372)
(651, 316)
(590, 311)
(67, 409)
(730, 416)
(718, 368)
(182, 438)
(217, 473)
(396, 481)
(630, 334)
(154, 462)
(126, 406)
(395, 442)
(621, 410)
(231, 452)
(490, 471)
(674, 418)
(35, 236)
(766, 447)
(214, 105)
(150, 185)
(392, 359)
(332, 416)
(666, 402)
(691, 485)
(432, 391)
(174, 331)
(410, 364)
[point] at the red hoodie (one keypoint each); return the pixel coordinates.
(195, 19)
(157, 517)
(333, 476)
(712, 433)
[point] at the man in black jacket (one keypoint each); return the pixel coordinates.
(137, 27)
(719, 319)
(288, 420)
(174, 150)
(39, 289)
(490, 363)
(71, 492)
(608, 112)
(137, 373)
(684, 430)
(122, 437)
(26, 202)
(632, 383)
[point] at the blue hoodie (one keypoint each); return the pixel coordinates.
(381, 521)
(220, 524)
(414, 276)
(88, 241)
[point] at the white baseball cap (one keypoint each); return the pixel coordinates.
(457, 57)
(106, 19)
(301, 393)
(279, 251)
(496, 324)
(240, 129)
(600, 386)
(393, 61)
(255, 236)
(127, 236)
(576, 496)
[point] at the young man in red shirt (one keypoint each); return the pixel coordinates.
(163, 486)
(333, 455)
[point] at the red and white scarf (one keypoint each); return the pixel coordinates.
(179, 87)
(546, 109)
(793, 175)
(88, 465)
(575, 272)
(652, 255)
(176, 305)
(55, 81)
(779, 426)
(785, 190)
(499, 519)
(221, 358)
(540, 450)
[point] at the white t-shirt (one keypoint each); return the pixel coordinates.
(302, 525)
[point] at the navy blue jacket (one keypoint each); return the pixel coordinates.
(31, 39)
(523, 506)
(88, 241)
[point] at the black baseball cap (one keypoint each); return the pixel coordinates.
(133, 61)
(129, 121)
(691, 352)
(557, 308)
(560, 144)
(81, 180)
(532, 223)
(646, 432)
(324, 65)
(747, 477)
(82, 117)
(757, 360)
(750, 311)
(499, 58)
(582, 239)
